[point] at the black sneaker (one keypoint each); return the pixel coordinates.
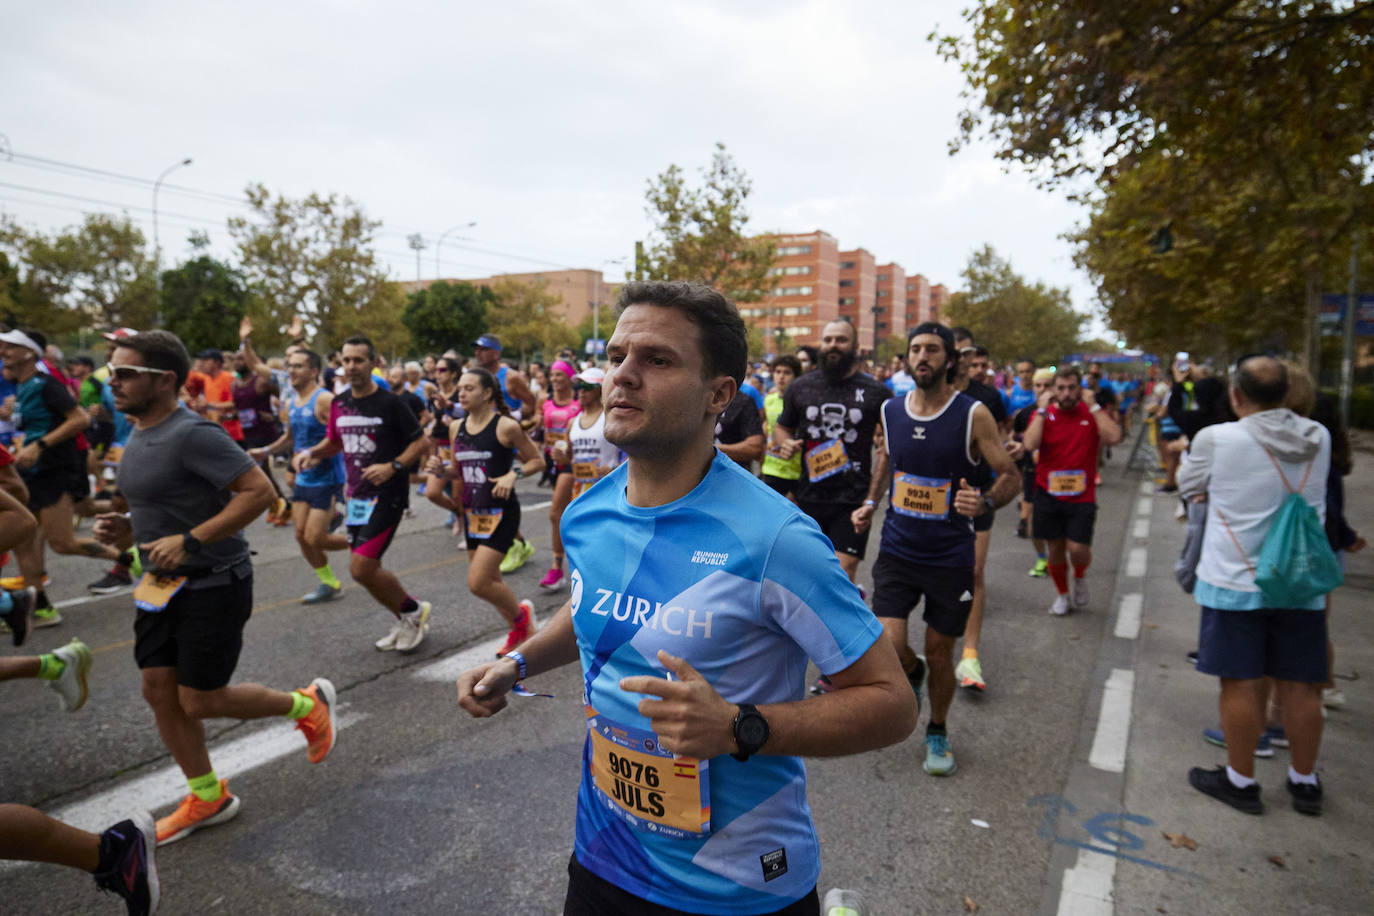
(1192, 657)
(1218, 785)
(1021, 530)
(118, 577)
(1307, 799)
(21, 609)
(127, 865)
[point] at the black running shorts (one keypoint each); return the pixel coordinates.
(1054, 519)
(47, 487)
(506, 529)
(898, 586)
(199, 633)
(837, 525)
(373, 538)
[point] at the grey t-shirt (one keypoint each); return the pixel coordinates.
(175, 475)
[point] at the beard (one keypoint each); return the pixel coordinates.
(932, 381)
(837, 363)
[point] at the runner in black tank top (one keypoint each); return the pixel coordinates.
(485, 444)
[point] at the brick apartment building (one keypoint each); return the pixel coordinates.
(576, 291)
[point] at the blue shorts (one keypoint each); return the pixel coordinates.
(1289, 645)
(317, 497)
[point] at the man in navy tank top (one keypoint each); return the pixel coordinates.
(936, 440)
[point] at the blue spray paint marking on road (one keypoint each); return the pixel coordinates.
(1104, 828)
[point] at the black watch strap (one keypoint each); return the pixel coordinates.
(190, 544)
(397, 466)
(751, 731)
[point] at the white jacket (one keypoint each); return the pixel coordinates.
(1228, 463)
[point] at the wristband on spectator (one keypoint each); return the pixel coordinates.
(519, 662)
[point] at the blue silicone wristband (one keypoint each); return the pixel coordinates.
(520, 663)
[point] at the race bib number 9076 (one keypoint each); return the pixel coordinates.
(651, 789)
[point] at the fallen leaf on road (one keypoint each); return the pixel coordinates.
(979, 822)
(1152, 626)
(1181, 839)
(969, 905)
(1278, 860)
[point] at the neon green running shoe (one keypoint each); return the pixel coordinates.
(1040, 570)
(518, 555)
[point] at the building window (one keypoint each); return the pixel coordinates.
(846, 282)
(789, 250)
(792, 291)
(797, 310)
(883, 278)
(798, 332)
(791, 271)
(882, 326)
(882, 293)
(846, 300)
(846, 265)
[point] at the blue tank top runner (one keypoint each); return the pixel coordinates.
(307, 431)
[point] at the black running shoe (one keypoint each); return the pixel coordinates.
(1218, 785)
(118, 577)
(21, 609)
(1307, 799)
(128, 866)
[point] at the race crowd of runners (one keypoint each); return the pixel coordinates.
(708, 518)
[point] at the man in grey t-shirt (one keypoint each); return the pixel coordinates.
(191, 491)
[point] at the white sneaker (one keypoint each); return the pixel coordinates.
(71, 686)
(388, 642)
(1078, 594)
(412, 631)
(1060, 606)
(1333, 697)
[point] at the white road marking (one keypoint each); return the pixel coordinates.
(167, 785)
(1147, 488)
(1144, 507)
(86, 599)
(1113, 722)
(1141, 529)
(1128, 616)
(448, 668)
(1087, 887)
(544, 505)
(1137, 561)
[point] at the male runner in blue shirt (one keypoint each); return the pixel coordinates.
(698, 595)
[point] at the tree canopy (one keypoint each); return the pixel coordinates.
(202, 302)
(1012, 316)
(447, 315)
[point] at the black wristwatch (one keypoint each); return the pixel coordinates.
(190, 544)
(989, 503)
(751, 731)
(397, 466)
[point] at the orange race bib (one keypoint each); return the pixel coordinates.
(482, 523)
(920, 497)
(446, 454)
(826, 460)
(584, 475)
(1068, 483)
(652, 789)
(153, 593)
(112, 456)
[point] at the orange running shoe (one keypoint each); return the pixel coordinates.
(193, 814)
(318, 726)
(521, 631)
(15, 583)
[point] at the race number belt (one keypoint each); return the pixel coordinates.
(651, 789)
(359, 511)
(826, 460)
(248, 418)
(482, 523)
(112, 456)
(446, 454)
(1068, 483)
(920, 497)
(154, 592)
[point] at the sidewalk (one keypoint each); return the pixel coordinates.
(1281, 862)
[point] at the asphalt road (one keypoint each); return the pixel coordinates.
(423, 809)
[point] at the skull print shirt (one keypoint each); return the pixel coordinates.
(835, 421)
(373, 430)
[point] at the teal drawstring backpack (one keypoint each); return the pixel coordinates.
(1296, 562)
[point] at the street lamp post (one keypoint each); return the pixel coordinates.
(157, 243)
(440, 244)
(417, 242)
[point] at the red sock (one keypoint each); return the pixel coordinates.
(1059, 572)
(1078, 571)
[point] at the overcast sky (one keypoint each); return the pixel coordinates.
(541, 121)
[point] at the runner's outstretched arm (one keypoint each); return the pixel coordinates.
(482, 690)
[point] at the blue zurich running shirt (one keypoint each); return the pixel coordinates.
(736, 580)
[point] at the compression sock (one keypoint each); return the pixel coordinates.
(50, 667)
(1059, 572)
(410, 605)
(327, 576)
(1079, 571)
(300, 705)
(206, 788)
(41, 601)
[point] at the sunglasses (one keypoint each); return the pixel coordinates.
(129, 373)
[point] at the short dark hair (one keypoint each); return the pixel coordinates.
(359, 340)
(812, 354)
(961, 333)
(1072, 372)
(1265, 385)
(83, 361)
(1024, 359)
(790, 362)
(39, 338)
(980, 350)
(311, 357)
(724, 341)
(160, 350)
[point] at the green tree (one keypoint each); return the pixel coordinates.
(525, 317)
(98, 274)
(1281, 91)
(888, 347)
(203, 300)
(379, 319)
(311, 258)
(1011, 316)
(447, 315)
(701, 234)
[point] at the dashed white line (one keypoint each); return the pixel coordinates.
(1147, 488)
(448, 668)
(1113, 722)
(1141, 528)
(1145, 507)
(1087, 887)
(1128, 616)
(86, 599)
(1137, 561)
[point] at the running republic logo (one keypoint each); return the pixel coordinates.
(709, 558)
(673, 619)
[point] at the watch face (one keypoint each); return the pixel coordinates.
(753, 731)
